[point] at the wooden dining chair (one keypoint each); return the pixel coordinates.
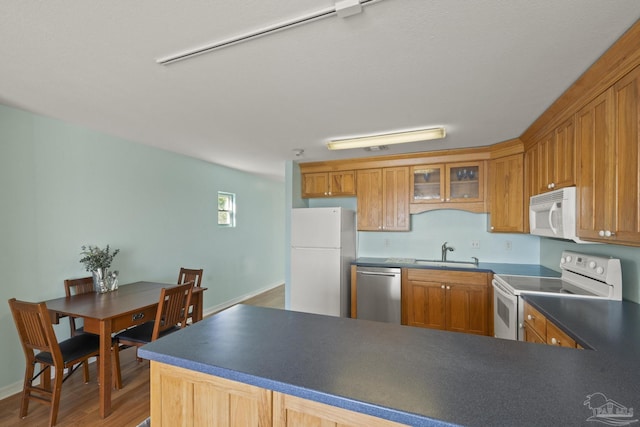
(190, 275)
(84, 285)
(41, 347)
(171, 315)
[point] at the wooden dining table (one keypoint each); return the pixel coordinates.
(105, 314)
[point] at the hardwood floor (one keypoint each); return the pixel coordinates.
(273, 298)
(79, 401)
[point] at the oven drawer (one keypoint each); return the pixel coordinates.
(557, 337)
(536, 320)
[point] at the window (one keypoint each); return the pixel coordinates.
(226, 209)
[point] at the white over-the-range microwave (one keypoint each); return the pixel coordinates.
(554, 214)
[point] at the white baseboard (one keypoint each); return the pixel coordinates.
(232, 302)
(10, 390)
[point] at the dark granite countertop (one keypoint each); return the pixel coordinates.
(609, 327)
(497, 268)
(415, 376)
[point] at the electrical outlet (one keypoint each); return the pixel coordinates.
(507, 245)
(475, 244)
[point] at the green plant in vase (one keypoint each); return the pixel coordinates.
(97, 261)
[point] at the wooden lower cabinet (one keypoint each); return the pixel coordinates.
(538, 329)
(182, 397)
(457, 301)
(291, 411)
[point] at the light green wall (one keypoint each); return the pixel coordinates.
(551, 250)
(62, 186)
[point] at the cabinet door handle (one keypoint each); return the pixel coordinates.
(449, 287)
(530, 317)
(442, 286)
(555, 341)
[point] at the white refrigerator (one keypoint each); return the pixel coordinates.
(323, 245)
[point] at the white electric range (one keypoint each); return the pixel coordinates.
(583, 276)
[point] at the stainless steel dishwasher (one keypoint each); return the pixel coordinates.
(378, 294)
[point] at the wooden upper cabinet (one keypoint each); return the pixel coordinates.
(369, 190)
(459, 185)
(626, 95)
(383, 199)
(556, 159)
(329, 184)
(315, 184)
(531, 174)
(465, 182)
(608, 142)
(428, 183)
(506, 194)
(596, 154)
(451, 183)
(395, 199)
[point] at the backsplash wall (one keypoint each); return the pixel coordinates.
(429, 230)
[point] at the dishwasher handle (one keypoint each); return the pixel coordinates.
(375, 273)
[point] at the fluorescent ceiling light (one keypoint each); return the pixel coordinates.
(388, 139)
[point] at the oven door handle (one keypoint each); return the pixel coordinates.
(502, 291)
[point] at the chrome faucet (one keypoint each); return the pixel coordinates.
(446, 248)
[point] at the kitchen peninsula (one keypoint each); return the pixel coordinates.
(407, 375)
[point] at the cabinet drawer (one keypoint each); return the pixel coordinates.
(535, 320)
(557, 337)
(530, 335)
(449, 276)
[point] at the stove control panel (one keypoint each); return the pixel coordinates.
(604, 269)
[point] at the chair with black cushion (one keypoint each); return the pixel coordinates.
(84, 285)
(190, 275)
(171, 315)
(41, 347)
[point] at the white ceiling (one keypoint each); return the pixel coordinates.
(485, 69)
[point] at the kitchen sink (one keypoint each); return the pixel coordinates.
(434, 263)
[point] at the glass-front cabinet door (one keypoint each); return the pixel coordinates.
(428, 184)
(465, 182)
